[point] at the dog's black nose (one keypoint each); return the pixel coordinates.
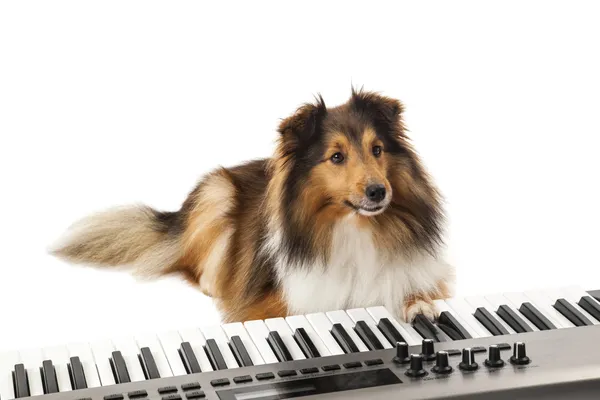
(375, 193)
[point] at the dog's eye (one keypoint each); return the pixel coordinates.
(377, 151)
(337, 158)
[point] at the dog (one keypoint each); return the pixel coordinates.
(343, 215)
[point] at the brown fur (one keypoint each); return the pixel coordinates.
(268, 306)
(441, 292)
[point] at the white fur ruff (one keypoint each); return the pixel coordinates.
(358, 276)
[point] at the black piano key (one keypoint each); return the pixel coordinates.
(343, 339)
(448, 320)
(214, 355)
(536, 317)
(239, 352)
(513, 319)
(428, 330)
(591, 306)
(491, 324)
(76, 374)
(20, 381)
(595, 294)
(281, 352)
(389, 331)
(367, 336)
(148, 364)
(571, 313)
(49, 380)
(450, 331)
(119, 367)
(189, 359)
(307, 345)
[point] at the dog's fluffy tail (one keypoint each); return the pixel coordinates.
(136, 237)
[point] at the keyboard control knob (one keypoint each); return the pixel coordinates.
(468, 360)
(416, 366)
(401, 353)
(519, 356)
(494, 360)
(442, 364)
(427, 350)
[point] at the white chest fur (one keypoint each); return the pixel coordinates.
(357, 275)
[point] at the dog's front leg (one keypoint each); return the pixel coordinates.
(423, 303)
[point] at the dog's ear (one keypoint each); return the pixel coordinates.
(381, 108)
(305, 124)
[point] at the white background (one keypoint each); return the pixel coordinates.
(114, 102)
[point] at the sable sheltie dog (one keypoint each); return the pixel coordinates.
(343, 215)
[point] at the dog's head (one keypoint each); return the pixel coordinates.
(355, 159)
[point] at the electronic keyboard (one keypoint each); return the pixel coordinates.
(512, 345)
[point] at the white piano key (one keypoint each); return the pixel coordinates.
(102, 351)
(464, 310)
(409, 333)
(518, 298)
(322, 326)
(32, 360)
(572, 295)
(216, 332)
(197, 341)
(478, 301)
(544, 304)
(170, 342)
(279, 325)
(443, 306)
(258, 333)
(360, 314)
(237, 329)
(60, 358)
(129, 350)
(497, 300)
(299, 321)
(577, 292)
(151, 341)
(7, 365)
(84, 352)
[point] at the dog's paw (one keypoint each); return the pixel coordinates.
(413, 308)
